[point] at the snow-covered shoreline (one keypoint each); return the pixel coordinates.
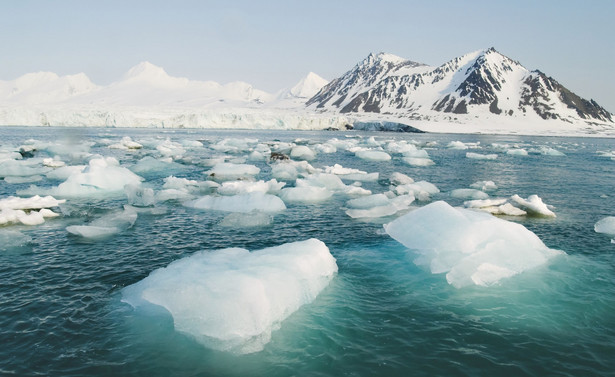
(274, 119)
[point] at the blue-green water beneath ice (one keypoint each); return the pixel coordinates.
(61, 312)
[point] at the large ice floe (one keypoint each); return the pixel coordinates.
(472, 248)
(102, 176)
(232, 299)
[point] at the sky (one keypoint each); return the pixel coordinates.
(273, 44)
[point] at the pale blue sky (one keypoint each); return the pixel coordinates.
(272, 44)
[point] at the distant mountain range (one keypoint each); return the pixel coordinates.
(478, 84)
(483, 91)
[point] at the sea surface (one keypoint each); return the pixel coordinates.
(61, 309)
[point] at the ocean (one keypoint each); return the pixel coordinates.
(62, 311)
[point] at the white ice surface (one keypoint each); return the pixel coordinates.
(244, 203)
(470, 247)
(232, 299)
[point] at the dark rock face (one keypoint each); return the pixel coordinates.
(471, 84)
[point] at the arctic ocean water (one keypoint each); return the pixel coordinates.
(61, 312)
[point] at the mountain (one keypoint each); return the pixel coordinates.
(149, 85)
(308, 86)
(44, 87)
(483, 84)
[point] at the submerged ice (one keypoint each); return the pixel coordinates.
(470, 247)
(232, 299)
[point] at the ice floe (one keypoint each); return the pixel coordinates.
(105, 226)
(232, 299)
(606, 226)
(244, 203)
(472, 248)
(480, 156)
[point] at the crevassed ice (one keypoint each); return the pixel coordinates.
(232, 299)
(470, 247)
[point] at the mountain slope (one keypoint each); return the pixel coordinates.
(478, 84)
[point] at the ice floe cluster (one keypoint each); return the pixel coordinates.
(233, 299)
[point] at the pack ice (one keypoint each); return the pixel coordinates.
(232, 299)
(470, 247)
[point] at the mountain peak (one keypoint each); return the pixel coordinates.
(308, 86)
(146, 70)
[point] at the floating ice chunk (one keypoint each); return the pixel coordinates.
(302, 152)
(484, 186)
(401, 147)
(417, 153)
(107, 225)
(606, 226)
(151, 165)
(284, 171)
(126, 143)
(340, 170)
(246, 220)
(547, 151)
(21, 168)
(139, 196)
(18, 180)
(35, 202)
(388, 208)
(368, 201)
(232, 299)
(243, 187)
(351, 174)
(400, 179)
(470, 247)
(373, 155)
(227, 171)
(244, 203)
(533, 205)
(101, 176)
(469, 194)
(171, 149)
(479, 156)
(495, 207)
(421, 190)
(305, 194)
(517, 152)
(457, 145)
(413, 161)
(329, 181)
(62, 173)
(173, 194)
(53, 163)
(325, 148)
(12, 238)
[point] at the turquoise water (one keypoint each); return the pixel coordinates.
(61, 311)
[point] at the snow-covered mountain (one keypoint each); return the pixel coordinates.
(483, 84)
(44, 87)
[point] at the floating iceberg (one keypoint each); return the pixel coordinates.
(533, 205)
(480, 156)
(232, 299)
(227, 171)
(107, 225)
(372, 155)
(470, 247)
(244, 203)
(606, 226)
